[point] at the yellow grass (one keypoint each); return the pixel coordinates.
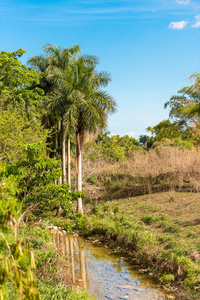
(170, 163)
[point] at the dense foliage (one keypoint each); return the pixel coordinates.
(111, 148)
(183, 126)
(16, 261)
(17, 84)
(60, 95)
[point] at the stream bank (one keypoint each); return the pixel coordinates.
(106, 273)
(52, 270)
(160, 231)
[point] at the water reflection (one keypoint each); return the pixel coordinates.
(105, 273)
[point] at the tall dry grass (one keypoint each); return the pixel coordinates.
(166, 163)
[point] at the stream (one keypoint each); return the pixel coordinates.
(105, 273)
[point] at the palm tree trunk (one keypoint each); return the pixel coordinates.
(55, 145)
(55, 140)
(63, 150)
(60, 154)
(68, 161)
(79, 171)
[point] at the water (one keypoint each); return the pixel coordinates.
(105, 273)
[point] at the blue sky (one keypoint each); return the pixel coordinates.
(150, 47)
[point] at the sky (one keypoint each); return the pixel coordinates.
(150, 47)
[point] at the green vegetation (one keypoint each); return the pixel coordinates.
(51, 280)
(182, 127)
(63, 88)
(75, 97)
(111, 148)
(162, 235)
(59, 102)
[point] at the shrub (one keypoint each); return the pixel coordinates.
(167, 278)
(96, 210)
(92, 179)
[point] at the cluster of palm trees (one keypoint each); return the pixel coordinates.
(74, 99)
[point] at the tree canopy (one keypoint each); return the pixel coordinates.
(183, 125)
(185, 106)
(17, 84)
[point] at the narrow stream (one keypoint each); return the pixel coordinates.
(105, 273)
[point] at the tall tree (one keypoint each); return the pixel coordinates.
(60, 60)
(184, 116)
(90, 107)
(57, 66)
(41, 64)
(79, 99)
(185, 106)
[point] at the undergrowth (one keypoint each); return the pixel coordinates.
(156, 240)
(52, 270)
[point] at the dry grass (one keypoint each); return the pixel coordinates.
(185, 163)
(169, 167)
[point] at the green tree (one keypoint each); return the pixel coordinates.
(171, 133)
(165, 130)
(20, 105)
(16, 84)
(185, 106)
(56, 64)
(184, 116)
(146, 141)
(90, 107)
(78, 98)
(59, 73)
(16, 131)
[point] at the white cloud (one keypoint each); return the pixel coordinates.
(184, 2)
(178, 25)
(197, 22)
(131, 133)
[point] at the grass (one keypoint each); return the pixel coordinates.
(52, 270)
(163, 235)
(158, 170)
(50, 291)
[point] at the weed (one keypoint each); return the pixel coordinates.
(96, 210)
(198, 246)
(167, 278)
(61, 222)
(87, 200)
(157, 181)
(115, 208)
(148, 219)
(92, 179)
(105, 207)
(152, 219)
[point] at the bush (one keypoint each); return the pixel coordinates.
(92, 179)
(96, 210)
(149, 219)
(167, 278)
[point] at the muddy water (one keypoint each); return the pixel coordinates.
(104, 273)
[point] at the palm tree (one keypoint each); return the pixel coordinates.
(56, 65)
(82, 105)
(59, 72)
(90, 108)
(41, 64)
